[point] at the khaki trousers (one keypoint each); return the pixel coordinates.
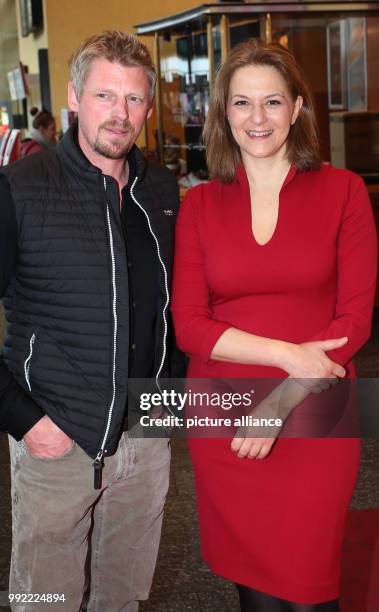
(58, 517)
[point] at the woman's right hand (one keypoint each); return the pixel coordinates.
(309, 361)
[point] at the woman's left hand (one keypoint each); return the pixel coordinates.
(255, 442)
(251, 448)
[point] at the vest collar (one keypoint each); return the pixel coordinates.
(69, 150)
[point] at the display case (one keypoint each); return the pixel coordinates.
(355, 142)
(190, 45)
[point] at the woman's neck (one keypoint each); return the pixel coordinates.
(266, 173)
(37, 136)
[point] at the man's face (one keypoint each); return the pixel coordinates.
(112, 109)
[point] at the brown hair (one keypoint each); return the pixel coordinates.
(42, 118)
(115, 46)
(223, 153)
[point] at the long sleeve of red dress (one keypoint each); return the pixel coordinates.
(196, 328)
(356, 284)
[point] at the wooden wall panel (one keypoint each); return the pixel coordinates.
(373, 63)
(309, 48)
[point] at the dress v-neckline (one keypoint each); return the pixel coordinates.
(242, 177)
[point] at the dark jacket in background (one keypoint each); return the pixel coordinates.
(30, 146)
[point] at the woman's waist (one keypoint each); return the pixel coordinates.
(214, 368)
(289, 320)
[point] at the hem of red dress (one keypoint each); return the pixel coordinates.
(297, 594)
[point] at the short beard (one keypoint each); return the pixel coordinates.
(115, 149)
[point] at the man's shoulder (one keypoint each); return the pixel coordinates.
(31, 168)
(158, 173)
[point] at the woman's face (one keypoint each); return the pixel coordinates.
(49, 133)
(261, 111)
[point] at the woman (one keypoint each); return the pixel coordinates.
(43, 133)
(274, 277)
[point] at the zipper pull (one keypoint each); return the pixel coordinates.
(98, 470)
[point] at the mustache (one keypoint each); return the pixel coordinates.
(118, 125)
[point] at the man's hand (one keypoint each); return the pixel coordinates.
(45, 439)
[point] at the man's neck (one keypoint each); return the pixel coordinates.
(116, 168)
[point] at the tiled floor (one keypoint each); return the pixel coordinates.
(182, 582)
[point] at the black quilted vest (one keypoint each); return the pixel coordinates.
(67, 306)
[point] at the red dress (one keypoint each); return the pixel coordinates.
(275, 525)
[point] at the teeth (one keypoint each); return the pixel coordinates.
(252, 133)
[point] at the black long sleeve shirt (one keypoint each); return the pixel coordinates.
(143, 271)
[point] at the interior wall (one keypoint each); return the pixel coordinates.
(9, 56)
(28, 53)
(29, 45)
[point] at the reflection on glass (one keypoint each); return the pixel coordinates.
(243, 30)
(185, 101)
(357, 63)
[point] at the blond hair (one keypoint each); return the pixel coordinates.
(114, 46)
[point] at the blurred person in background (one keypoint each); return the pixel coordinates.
(42, 133)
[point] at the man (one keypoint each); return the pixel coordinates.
(85, 270)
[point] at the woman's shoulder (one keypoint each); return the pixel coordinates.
(333, 188)
(334, 177)
(330, 185)
(209, 192)
(206, 200)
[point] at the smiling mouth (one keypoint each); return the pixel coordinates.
(259, 134)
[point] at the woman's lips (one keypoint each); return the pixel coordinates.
(259, 133)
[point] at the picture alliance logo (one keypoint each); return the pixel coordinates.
(178, 400)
